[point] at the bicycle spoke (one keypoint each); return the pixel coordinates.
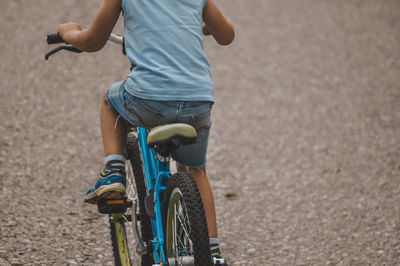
(183, 224)
(182, 244)
(130, 187)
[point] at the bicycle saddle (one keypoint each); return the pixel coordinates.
(166, 138)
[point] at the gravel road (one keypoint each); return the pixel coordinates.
(304, 155)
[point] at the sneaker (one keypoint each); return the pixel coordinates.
(217, 259)
(111, 185)
(216, 256)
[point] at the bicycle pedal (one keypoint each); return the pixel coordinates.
(149, 205)
(109, 206)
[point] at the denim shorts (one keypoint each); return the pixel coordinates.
(150, 113)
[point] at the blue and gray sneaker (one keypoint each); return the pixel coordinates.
(111, 185)
(216, 257)
(218, 260)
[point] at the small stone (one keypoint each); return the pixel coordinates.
(252, 250)
(72, 262)
(231, 196)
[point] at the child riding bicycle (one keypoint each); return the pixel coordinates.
(170, 82)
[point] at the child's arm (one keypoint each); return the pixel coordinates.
(95, 37)
(217, 25)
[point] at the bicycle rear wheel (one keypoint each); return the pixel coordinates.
(185, 225)
(122, 226)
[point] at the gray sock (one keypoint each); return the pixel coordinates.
(115, 160)
(214, 246)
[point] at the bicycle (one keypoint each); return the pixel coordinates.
(161, 221)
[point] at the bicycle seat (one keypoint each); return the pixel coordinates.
(166, 138)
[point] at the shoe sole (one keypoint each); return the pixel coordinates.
(113, 191)
(91, 198)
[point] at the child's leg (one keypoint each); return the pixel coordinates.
(199, 174)
(111, 182)
(112, 129)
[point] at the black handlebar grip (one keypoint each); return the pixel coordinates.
(54, 38)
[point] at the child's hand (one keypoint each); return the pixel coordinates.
(68, 31)
(206, 32)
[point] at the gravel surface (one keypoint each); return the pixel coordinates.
(304, 155)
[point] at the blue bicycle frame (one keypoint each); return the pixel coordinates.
(156, 173)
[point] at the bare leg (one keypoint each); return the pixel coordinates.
(200, 177)
(112, 130)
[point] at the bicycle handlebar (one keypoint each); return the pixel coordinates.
(56, 38)
(116, 39)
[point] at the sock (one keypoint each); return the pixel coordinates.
(214, 246)
(115, 160)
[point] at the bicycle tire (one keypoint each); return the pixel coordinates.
(119, 241)
(123, 242)
(182, 199)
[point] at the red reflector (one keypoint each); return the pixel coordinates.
(111, 202)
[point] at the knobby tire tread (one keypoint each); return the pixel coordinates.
(194, 205)
(114, 242)
(133, 154)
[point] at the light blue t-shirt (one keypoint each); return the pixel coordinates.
(164, 41)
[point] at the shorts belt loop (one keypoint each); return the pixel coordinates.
(179, 110)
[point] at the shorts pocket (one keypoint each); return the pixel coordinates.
(201, 121)
(145, 113)
(152, 107)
